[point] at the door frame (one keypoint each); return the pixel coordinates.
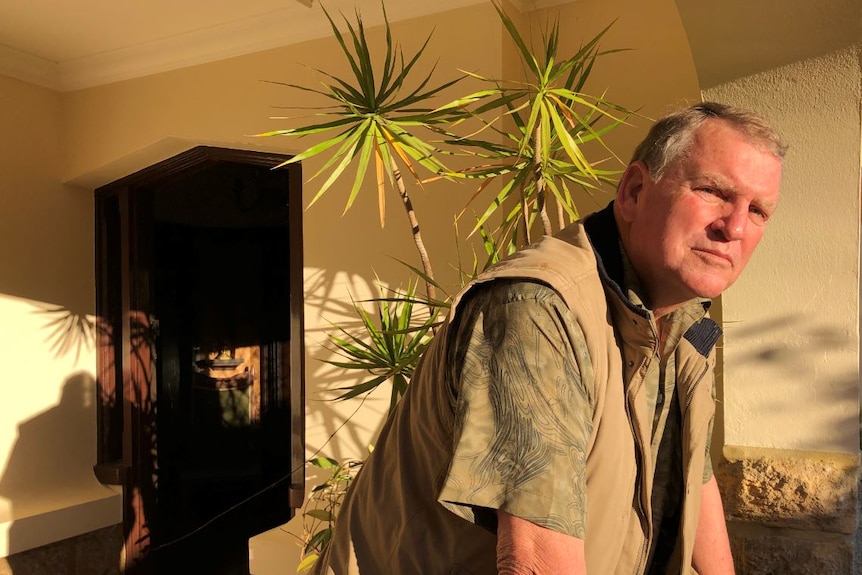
(125, 361)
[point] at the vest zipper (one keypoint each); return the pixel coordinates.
(643, 554)
(642, 558)
(644, 550)
(687, 467)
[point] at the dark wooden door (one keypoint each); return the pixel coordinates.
(209, 292)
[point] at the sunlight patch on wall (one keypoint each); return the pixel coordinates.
(41, 344)
(48, 432)
(49, 362)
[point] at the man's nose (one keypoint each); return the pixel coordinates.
(731, 224)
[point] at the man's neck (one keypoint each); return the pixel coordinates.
(660, 312)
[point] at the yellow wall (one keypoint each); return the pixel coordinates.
(653, 75)
(47, 434)
(117, 128)
(93, 136)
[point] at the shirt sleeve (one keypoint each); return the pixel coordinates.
(524, 408)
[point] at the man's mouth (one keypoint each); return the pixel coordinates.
(716, 255)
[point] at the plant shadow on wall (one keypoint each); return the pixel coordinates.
(53, 452)
(68, 330)
(813, 358)
(71, 331)
(529, 136)
(358, 320)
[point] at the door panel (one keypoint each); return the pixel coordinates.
(212, 394)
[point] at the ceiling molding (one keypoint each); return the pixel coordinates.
(531, 5)
(29, 68)
(190, 49)
(240, 37)
(237, 38)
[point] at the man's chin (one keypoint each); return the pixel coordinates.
(708, 286)
(710, 291)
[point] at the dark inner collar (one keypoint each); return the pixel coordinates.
(602, 230)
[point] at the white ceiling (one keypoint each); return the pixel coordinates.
(73, 44)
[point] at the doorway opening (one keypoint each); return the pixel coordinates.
(200, 364)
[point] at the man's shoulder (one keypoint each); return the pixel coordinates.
(561, 257)
(562, 266)
(504, 290)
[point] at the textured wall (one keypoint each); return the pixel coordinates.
(791, 372)
(791, 322)
(790, 511)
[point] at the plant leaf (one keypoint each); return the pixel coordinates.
(321, 514)
(323, 462)
(307, 562)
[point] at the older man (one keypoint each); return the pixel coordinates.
(560, 423)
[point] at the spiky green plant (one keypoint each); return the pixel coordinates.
(553, 119)
(322, 507)
(388, 346)
(376, 116)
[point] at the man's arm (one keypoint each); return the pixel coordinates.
(711, 545)
(524, 548)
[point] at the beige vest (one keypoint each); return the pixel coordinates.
(391, 521)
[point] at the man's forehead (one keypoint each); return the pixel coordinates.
(715, 132)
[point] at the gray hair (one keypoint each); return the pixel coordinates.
(670, 138)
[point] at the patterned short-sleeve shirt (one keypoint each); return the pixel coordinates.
(524, 412)
(522, 376)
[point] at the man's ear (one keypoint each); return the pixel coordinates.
(630, 188)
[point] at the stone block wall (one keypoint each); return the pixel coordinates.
(790, 512)
(94, 553)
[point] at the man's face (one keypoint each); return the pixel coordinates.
(692, 232)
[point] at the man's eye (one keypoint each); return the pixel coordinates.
(709, 192)
(758, 215)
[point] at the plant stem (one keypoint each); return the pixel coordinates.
(417, 235)
(525, 216)
(540, 180)
(561, 216)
